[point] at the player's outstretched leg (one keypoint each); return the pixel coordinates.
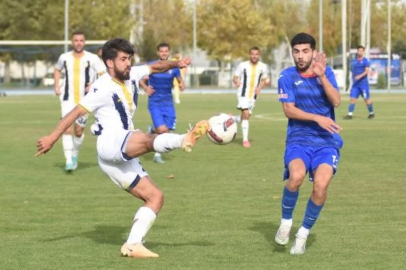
(137, 251)
(195, 133)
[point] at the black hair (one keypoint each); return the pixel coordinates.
(78, 33)
(303, 38)
(163, 45)
(360, 47)
(115, 45)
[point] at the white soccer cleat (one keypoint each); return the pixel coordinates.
(282, 235)
(299, 245)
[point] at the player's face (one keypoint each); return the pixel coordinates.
(254, 56)
(78, 43)
(122, 66)
(163, 53)
(303, 56)
(360, 52)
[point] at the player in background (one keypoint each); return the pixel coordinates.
(308, 92)
(160, 101)
(81, 68)
(249, 77)
(113, 100)
(360, 84)
(176, 86)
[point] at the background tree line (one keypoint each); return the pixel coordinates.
(225, 29)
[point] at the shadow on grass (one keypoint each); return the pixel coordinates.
(81, 166)
(192, 243)
(269, 229)
(101, 234)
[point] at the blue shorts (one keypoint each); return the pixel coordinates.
(362, 89)
(163, 116)
(312, 157)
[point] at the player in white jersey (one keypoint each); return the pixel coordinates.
(249, 77)
(113, 100)
(80, 68)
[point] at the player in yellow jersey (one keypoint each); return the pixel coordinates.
(81, 69)
(176, 88)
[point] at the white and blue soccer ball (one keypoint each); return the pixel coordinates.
(222, 129)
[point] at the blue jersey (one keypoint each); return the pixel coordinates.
(162, 84)
(308, 95)
(358, 67)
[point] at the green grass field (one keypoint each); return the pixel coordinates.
(222, 208)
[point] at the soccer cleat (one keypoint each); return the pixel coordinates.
(74, 163)
(282, 235)
(246, 144)
(137, 251)
(194, 134)
(348, 117)
(69, 167)
(158, 159)
(371, 116)
(299, 245)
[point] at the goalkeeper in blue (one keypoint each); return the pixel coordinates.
(308, 92)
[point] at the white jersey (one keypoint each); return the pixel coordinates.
(113, 102)
(79, 72)
(250, 77)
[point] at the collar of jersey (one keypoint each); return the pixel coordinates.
(117, 82)
(307, 75)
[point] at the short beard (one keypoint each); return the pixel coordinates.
(303, 69)
(121, 76)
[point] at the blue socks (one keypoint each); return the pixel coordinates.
(351, 108)
(370, 109)
(311, 215)
(289, 200)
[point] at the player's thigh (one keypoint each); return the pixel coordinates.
(82, 121)
(297, 162)
(246, 104)
(365, 93)
(157, 116)
(125, 174)
(355, 92)
(325, 164)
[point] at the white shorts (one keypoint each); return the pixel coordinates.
(123, 171)
(67, 106)
(246, 103)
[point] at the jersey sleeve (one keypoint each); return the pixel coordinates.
(59, 64)
(332, 78)
(98, 65)
(285, 89)
(176, 73)
(367, 63)
(139, 72)
(237, 72)
(95, 98)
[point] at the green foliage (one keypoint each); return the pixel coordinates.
(382, 81)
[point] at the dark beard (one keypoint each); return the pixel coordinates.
(121, 76)
(303, 69)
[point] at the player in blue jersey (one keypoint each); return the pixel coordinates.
(160, 101)
(360, 84)
(308, 92)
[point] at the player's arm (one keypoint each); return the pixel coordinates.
(45, 144)
(57, 77)
(162, 66)
(363, 74)
(292, 112)
(181, 83)
(147, 88)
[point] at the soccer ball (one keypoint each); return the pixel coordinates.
(222, 129)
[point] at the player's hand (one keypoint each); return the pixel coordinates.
(319, 64)
(257, 91)
(184, 62)
(150, 90)
(328, 124)
(44, 144)
(237, 84)
(57, 91)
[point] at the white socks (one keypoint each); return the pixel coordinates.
(166, 142)
(77, 143)
(67, 143)
(303, 232)
(244, 127)
(287, 222)
(143, 220)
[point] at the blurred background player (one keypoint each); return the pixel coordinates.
(160, 101)
(360, 84)
(113, 99)
(312, 140)
(176, 88)
(81, 69)
(249, 77)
